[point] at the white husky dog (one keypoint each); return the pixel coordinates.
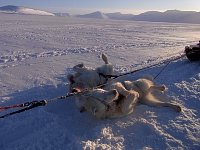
(145, 87)
(116, 101)
(123, 98)
(88, 78)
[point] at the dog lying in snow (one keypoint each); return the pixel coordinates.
(115, 99)
(145, 87)
(119, 99)
(115, 102)
(88, 78)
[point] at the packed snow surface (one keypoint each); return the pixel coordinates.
(37, 53)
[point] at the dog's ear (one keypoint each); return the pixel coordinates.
(105, 59)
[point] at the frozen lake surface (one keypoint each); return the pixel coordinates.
(37, 53)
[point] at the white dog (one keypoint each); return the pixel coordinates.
(119, 99)
(145, 87)
(116, 101)
(88, 78)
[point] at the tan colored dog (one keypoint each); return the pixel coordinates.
(145, 87)
(115, 102)
(124, 98)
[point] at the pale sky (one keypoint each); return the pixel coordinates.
(124, 6)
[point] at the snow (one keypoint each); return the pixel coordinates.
(37, 53)
(24, 10)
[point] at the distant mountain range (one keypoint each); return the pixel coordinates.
(172, 16)
(100, 15)
(24, 10)
(120, 16)
(95, 15)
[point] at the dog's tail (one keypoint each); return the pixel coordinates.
(105, 58)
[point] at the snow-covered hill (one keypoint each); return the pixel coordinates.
(37, 53)
(24, 10)
(120, 16)
(100, 15)
(94, 15)
(173, 16)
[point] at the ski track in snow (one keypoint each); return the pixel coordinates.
(38, 52)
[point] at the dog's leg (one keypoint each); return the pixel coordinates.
(151, 101)
(129, 102)
(121, 89)
(161, 88)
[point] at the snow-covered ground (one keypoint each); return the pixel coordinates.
(37, 53)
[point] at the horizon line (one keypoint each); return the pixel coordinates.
(80, 11)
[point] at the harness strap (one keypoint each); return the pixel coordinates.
(104, 76)
(33, 105)
(103, 102)
(8, 107)
(26, 104)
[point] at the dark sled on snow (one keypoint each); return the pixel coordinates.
(193, 52)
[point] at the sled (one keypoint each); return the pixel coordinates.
(193, 52)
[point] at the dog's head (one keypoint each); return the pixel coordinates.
(85, 77)
(86, 80)
(73, 84)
